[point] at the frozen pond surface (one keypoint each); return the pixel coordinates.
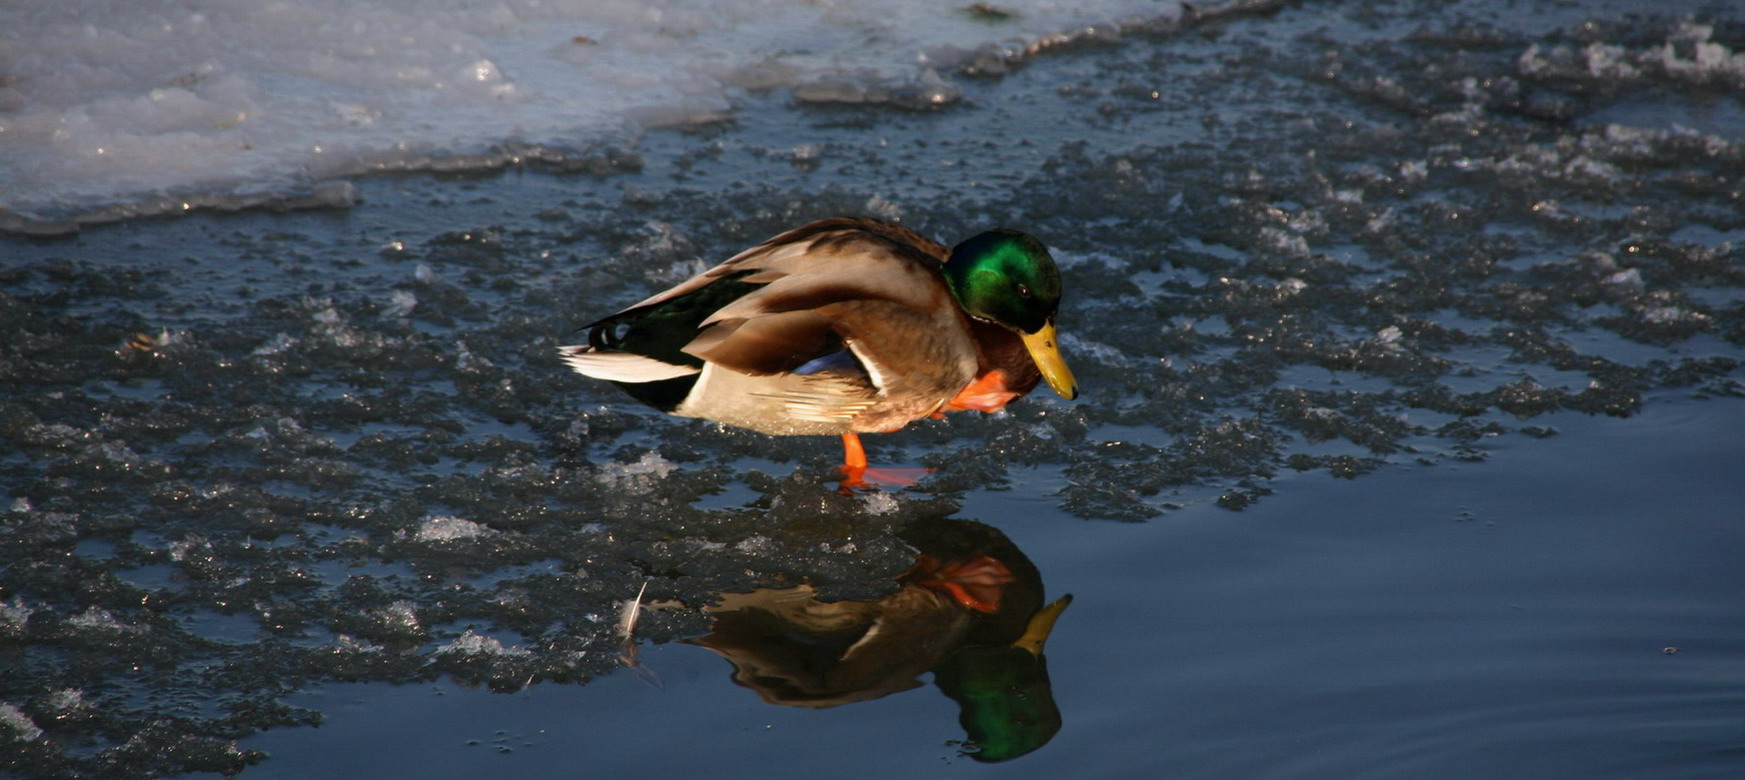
(1410, 339)
(150, 108)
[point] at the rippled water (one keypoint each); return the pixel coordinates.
(1410, 338)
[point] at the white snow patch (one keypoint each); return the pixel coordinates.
(400, 304)
(1671, 315)
(15, 613)
(1283, 242)
(447, 528)
(66, 701)
(879, 503)
(401, 616)
(638, 477)
(98, 619)
(181, 549)
(348, 645)
(479, 644)
(1707, 60)
(755, 544)
(279, 343)
(1630, 279)
(14, 720)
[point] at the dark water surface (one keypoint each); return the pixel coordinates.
(1410, 338)
(1567, 609)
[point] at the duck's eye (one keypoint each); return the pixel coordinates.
(1023, 291)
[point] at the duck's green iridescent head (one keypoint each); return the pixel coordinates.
(1008, 278)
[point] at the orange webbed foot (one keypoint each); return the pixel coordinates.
(987, 393)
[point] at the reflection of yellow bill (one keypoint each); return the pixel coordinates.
(1041, 625)
(1045, 350)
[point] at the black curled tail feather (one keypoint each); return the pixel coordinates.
(662, 330)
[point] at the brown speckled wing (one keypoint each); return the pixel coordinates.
(768, 344)
(843, 283)
(795, 249)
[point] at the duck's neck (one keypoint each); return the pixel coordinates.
(957, 271)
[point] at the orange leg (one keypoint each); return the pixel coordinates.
(853, 463)
(853, 454)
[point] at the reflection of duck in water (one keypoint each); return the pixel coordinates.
(841, 326)
(970, 611)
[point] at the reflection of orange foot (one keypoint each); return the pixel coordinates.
(863, 478)
(977, 583)
(857, 476)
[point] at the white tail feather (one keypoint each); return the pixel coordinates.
(621, 366)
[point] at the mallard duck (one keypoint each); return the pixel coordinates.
(841, 326)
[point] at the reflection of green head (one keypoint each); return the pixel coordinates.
(1005, 702)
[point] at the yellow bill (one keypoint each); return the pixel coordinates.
(1045, 350)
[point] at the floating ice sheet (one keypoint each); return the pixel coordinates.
(108, 111)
